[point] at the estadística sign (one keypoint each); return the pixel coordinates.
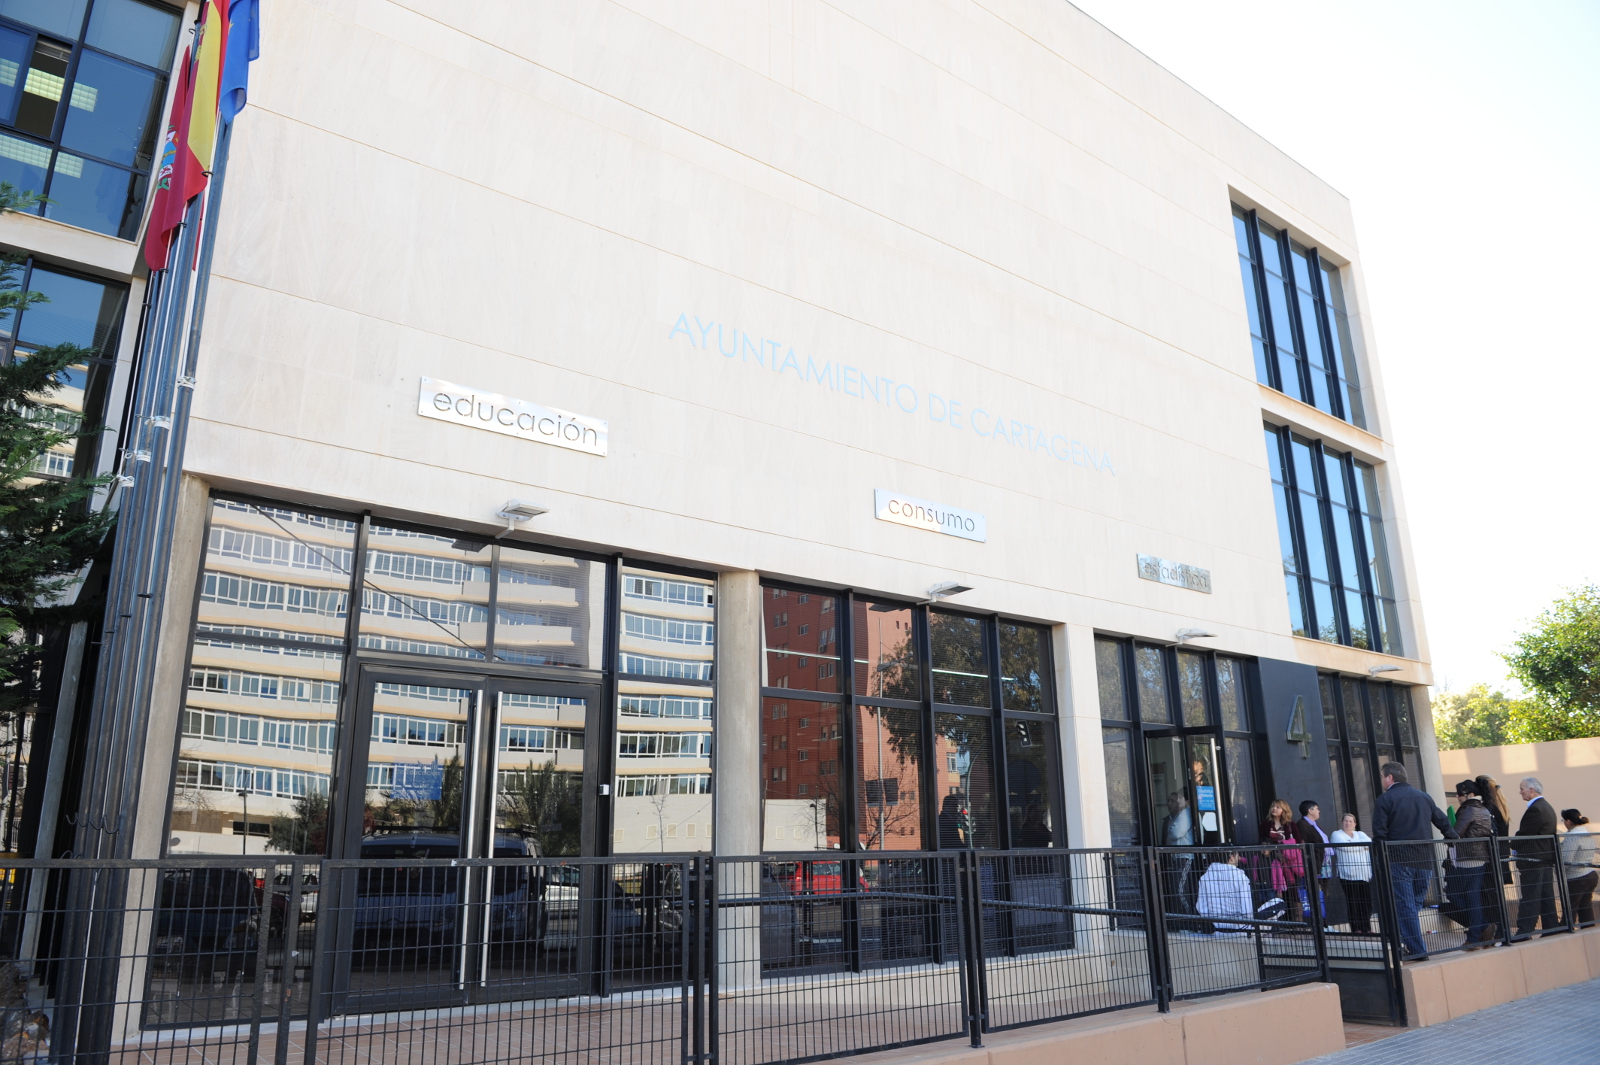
(930, 517)
(447, 402)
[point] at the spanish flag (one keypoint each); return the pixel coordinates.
(211, 44)
(191, 133)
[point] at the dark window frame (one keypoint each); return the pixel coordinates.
(1380, 635)
(1402, 730)
(1215, 727)
(133, 212)
(86, 458)
(1338, 384)
(847, 704)
(600, 752)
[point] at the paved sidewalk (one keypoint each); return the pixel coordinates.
(1558, 1027)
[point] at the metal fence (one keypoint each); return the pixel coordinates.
(759, 960)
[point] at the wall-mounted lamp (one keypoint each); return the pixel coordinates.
(1185, 635)
(514, 511)
(1373, 671)
(946, 589)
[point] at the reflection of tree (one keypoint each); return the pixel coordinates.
(891, 754)
(896, 673)
(960, 662)
(544, 805)
(447, 807)
(305, 830)
(1021, 666)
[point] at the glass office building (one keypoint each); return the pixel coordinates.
(684, 442)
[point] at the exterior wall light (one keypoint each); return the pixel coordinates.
(1185, 635)
(946, 589)
(1373, 671)
(514, 511)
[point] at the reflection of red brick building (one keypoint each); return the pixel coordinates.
(800, 748)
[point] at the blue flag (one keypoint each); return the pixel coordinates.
(244, 45)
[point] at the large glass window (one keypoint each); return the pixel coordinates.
(666, 651)
(1299, 326)
(81, 88)
(260, 717)
(1368, 723)
(1200, 720)
(77, 310)
(949, 721)
(1335, 560)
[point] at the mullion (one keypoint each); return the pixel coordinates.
(1330, 545)
(1297, 519)
(1274, 375)
(930, 777)
(1324, 326)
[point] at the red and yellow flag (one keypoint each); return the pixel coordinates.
(211, 43)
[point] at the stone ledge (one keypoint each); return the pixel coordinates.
(1219, 1031)
(1458, 984)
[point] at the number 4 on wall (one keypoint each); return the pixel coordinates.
(1297, 727)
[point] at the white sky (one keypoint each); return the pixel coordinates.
(1467, 136)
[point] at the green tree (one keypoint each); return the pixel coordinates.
(1558, 660)
(545, 805)
(47, 531)
(1476, 717)
(305, 831)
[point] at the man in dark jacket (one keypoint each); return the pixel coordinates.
(1404, 813)
(1536, 860)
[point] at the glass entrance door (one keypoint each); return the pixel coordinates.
(449, 768)
(1185, 797)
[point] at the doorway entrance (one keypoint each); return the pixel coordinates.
(1185, 796)
(447, 766)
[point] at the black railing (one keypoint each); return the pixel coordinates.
(758, 960)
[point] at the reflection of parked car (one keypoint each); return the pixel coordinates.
(426, 900)
(281, 892)
(822, 878)
(206, 911)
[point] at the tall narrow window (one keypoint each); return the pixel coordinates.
(1336, 565)
(1299, 324)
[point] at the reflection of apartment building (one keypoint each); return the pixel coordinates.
(666, 651)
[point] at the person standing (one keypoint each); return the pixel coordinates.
(1284, 867)
(1466, 882)
(1354, 866)
(1177, 830)
(1577, 855)
(1495, 802)
(1403, 813)
(1309, 832)
(1536, 860)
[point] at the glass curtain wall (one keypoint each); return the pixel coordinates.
(936, 731)
(1198, 699)
(79, 310)
(81, 88)
(1330, 532)
(265, 710)
(1299, 326)
(1368, 723)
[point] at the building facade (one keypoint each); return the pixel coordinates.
(84, 88)
(666, 428)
